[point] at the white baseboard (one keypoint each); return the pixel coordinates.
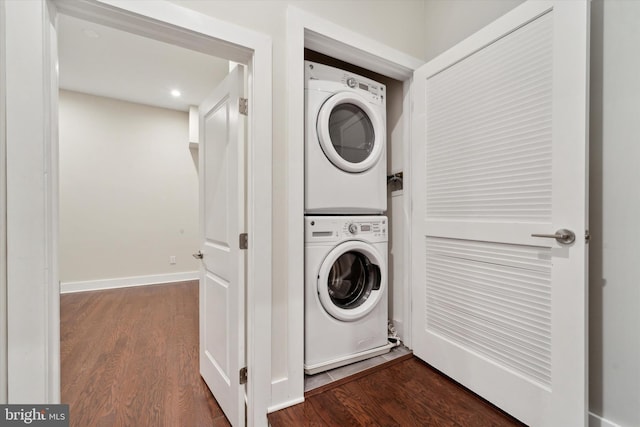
(281, 395)
(284, 405)
(127, 282)
(598, 421)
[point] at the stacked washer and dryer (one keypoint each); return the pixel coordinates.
(346, 304)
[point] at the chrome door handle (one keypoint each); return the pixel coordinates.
(563, 236)
(199, 255)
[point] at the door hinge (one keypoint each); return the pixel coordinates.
(244, 241)
(587, 236)
(243, 106)
(243, 375)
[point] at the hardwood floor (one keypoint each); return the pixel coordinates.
(130, 358)
(408, 393)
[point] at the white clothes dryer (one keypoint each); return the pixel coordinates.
(346, 307)
(345, 142)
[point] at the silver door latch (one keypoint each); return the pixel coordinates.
(199, 255)
(564, 236)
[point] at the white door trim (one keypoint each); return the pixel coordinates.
(167, 22)
(307, 30)
(3, 221)
(33, 366)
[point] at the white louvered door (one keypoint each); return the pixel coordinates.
(499, 154)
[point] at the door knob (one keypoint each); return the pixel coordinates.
(199, 255)
(563, 236)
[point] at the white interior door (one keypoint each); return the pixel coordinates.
(499, 154)
(222, 220)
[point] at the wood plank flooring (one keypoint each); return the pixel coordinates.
(408, 393)
(130, 358)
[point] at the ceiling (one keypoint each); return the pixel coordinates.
(107, 62)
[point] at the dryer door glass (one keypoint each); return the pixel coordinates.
(351, 279)
(352, 133)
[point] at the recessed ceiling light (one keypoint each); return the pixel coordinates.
(92, 34)
(175, 93)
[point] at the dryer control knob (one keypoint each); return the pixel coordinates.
(351, 82)
(353, 228)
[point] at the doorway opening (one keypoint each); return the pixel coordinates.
(128, 177)
(128, 216)
(35, 144)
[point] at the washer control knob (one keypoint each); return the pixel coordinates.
(353, 228)
(351, 82)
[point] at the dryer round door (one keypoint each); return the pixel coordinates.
(351, 280)
(351, 132)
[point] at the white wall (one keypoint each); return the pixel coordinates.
(615, 209)
(397, 23)
(451, 21)
(395, 206)
(614, 350)
(128, 190)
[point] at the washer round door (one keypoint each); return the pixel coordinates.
(351, 133)
(351, 280)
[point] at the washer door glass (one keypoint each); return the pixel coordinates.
(351, 280)
(351, 132)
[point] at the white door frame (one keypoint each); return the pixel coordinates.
(37, 194)
(3, 223)
(307, 30)
(32, 290)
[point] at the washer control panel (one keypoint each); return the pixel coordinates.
(367, 227)
(328, 228)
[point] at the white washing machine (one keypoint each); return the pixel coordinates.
(346, 306)
(345, 142)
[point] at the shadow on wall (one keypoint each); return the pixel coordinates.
(596, 280)
(194, 155)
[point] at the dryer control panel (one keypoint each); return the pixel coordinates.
(357, 82)
(349, 80)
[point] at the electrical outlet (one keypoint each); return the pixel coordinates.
(172, 259)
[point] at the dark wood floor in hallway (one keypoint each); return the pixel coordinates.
(407, 393)
(130, 358)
